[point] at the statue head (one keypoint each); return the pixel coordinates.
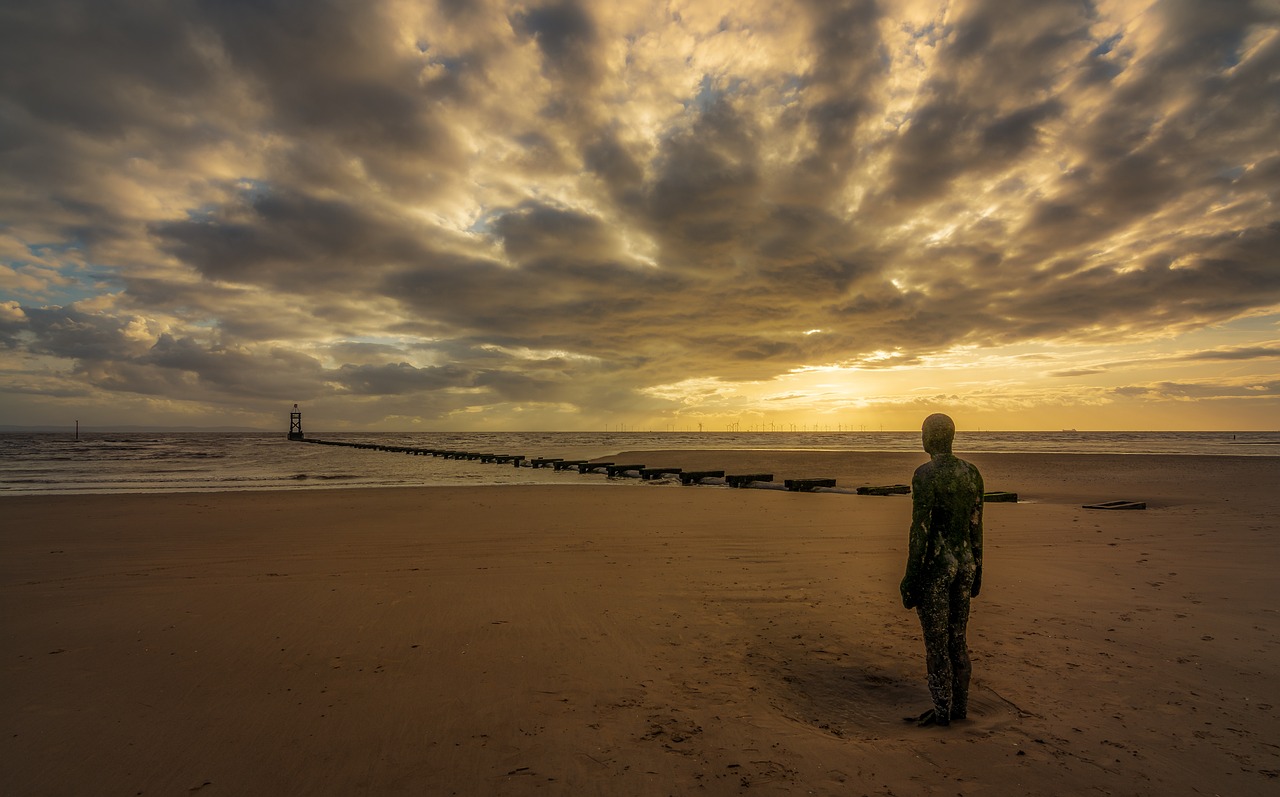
(937, 433)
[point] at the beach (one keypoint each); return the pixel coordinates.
(649, 640)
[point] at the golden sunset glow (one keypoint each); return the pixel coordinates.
(570, 215)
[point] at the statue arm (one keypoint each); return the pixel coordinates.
(918, 543)
(975, 538)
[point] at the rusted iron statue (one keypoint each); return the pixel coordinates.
(944, 567)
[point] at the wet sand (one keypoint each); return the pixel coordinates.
(600, 639)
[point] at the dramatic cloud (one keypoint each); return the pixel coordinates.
(561, 213)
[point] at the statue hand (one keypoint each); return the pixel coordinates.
(909, 600)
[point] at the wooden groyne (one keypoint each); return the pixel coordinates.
(888, 489)
(746, 479)
(621, 470)
(807, 485)
(699, 476)
(649, 474)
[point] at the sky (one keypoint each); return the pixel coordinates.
(570, 215)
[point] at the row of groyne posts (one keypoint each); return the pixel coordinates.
(634, 470)
(611, 469)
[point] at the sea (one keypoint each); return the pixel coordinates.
(148, 462)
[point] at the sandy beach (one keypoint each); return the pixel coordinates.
(640, 639)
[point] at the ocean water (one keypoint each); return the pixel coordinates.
(138, 462)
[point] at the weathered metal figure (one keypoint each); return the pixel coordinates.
(944, 566)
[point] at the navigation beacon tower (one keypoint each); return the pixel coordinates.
(295, 424)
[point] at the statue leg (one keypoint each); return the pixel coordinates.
(958, 646)
(935, 616)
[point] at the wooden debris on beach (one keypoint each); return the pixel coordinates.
(807, 485)
(540, 462)
(588, 467)
(565, 464)
(1117, 505)
(621, 470)
(888, 489)
(1000, 497)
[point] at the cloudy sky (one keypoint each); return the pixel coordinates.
(478, 214)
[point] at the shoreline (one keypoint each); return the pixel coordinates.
(515, 639)
(1034, 476)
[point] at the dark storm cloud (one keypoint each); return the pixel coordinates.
(273, 374)
(840, 91)
(706, 192)
(1162, 292)
(1232, 277)
(566, 35)
(546, 301)
(1203, 390)
(535, 232)
(813, 280)
(519, 387)
(949, 137)
(329, 78)
(69, 333)
(992, 89)
(81, 66)
(1244, 353)
(397, 378)
(363, 352)
(1076, 372)
(1238, 354)
(92, 94)
(288, 240)
(1186, 115)
(620, 169)
(12, 321)
(122, 355)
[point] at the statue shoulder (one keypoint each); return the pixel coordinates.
(972, 469)
(924, 475)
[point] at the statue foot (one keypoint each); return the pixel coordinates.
(927, 719)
